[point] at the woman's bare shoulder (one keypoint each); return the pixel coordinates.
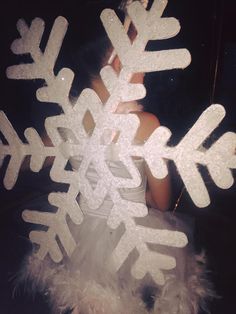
(148, 123)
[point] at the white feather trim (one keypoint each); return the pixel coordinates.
(66, 289)
(187, 297)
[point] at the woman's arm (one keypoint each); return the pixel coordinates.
(158, 194)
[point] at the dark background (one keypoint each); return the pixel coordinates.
(177, 97)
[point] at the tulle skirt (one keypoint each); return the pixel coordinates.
(88, 283)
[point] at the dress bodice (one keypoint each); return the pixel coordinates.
(118, 169)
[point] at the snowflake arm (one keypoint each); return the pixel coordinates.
(137, 237)
(57, 226)
(19, 150)
(219, 158)
(58, 87)
(132, 55)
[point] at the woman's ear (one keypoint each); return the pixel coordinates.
(116, 64)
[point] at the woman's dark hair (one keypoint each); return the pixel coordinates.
(89, 60)
(89, 57)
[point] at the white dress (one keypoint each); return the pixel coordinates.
(86, 281)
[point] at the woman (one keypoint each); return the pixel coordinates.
(86, 283)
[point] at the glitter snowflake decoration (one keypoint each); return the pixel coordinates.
(91, 149)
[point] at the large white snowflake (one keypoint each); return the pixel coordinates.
(219, 158)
